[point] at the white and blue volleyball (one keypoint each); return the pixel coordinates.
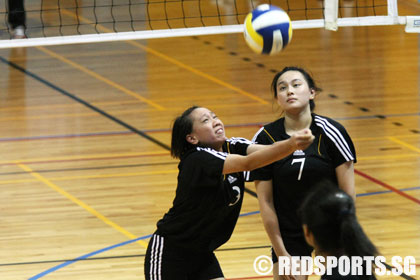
(268, 29)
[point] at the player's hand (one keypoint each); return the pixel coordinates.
(302, 139)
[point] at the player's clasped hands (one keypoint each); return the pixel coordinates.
(302, 139)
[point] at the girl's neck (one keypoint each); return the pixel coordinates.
(215, 146)
(296, 122)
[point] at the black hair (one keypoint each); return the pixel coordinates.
(330, 215)
(306, 75)
(181, 128)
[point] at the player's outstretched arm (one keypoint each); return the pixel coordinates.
(265, 154)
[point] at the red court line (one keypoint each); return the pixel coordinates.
(255, 277)
(385, 185)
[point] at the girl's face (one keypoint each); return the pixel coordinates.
(208, 130)
(293, 92)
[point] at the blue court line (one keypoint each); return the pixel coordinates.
(376, 116)
(389, 191)
(108, 133)
(87, 256)
(148, 236)
(111, 133)
(67, 263)
(11, 139)
(249, 213)
(83, 102)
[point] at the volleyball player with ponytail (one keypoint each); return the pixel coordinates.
(330, 226)
(209, 195)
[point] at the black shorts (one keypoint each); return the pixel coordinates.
(166, 262)
(295, 246)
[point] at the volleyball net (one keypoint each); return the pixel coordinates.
(56, 22)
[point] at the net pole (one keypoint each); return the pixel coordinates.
(331, 14)
(392, 8)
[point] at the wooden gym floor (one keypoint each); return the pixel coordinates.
(85, 171)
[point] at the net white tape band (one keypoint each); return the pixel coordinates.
(194, 31)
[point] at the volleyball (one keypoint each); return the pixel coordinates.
(267, 29)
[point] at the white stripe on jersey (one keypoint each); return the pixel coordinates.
(160, 259)
(335, 135)
(156, 257)
(256, 134)
(235, 140)
(152, 256)
(247, 174)
(220, 155)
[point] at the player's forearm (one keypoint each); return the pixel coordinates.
(260, 158)
(264, 155)
(272, 229)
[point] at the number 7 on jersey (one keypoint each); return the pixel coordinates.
(302, 163)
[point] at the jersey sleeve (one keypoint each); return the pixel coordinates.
(263, 173)
(210, 161)
(237, 145)
(340, 146)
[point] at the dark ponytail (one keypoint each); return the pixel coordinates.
(330, 215)
(181, 128)
(354, 240)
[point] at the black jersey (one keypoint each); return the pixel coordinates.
(294, 175)
(207, 203)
